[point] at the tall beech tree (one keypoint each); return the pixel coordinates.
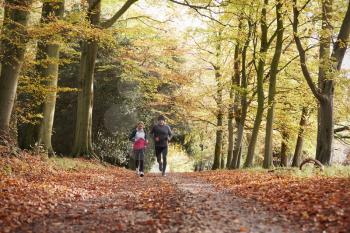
(300, 140)
(264, 45)
(13, 46)
(48, 62)
(272, 86)
(83, 127)
(234, 97)
(220, 105)
(242, 111)
(330, 62)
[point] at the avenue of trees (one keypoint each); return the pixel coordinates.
(257, 80)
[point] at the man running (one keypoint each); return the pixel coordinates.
(162, 134)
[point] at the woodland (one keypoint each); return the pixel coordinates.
(252, 89)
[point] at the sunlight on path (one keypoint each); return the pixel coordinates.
(178, 161)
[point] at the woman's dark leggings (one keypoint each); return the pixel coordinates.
(137, 163)
(139, 157)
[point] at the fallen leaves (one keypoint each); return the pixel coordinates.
(36, 195)
(33, 193)
(318, 203)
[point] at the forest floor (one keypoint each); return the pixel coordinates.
(66, 195)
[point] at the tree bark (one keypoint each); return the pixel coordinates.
(218, 142)
(83, 128)
(325, 137)
(219, 120)
(284, 148)
(325, 90)
(240, 121)
(325, 86)
(222, 163)
(272, 87)
(230, 138)
(234, 98)
(13, 46)
(260, 87)
(48, 54)
(220, 112)
(300, 139)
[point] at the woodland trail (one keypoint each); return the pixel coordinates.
(176, 203)
(218, 210)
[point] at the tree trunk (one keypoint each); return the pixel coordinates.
(326, 86)
(284, 148)
(83, 128)
(238, 145)
(324, 148)
(300, 139)
(237, 154)
(272, 88)
(260, 87)
(234, 110)
(219, 102)
(48, 53)
(219, 124)
(222, 163)
(14, 40)
(230, 129)
(328, 65)
(218, 142)
(238, 164)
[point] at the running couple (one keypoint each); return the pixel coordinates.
(161, 133)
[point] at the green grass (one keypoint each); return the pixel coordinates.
(70, 164)
(331, 171)
(308, 171)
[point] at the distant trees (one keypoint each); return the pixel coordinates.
(269, 31)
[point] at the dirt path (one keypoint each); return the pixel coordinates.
(215, 210)
(176, 203)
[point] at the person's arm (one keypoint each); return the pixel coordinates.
(146, 136)
(170, 133)
(155, 134)
(152, 131)
(132, 135)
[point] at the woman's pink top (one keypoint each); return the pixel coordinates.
(140, 144)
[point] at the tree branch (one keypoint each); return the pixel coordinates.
(342, 40)
(186, 3)
(302, 55)
(341, 129)
(118, 14)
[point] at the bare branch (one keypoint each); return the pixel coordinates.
(302, 55)
(186, 3)
(341, 129)
(118, 14)
(342, 40)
